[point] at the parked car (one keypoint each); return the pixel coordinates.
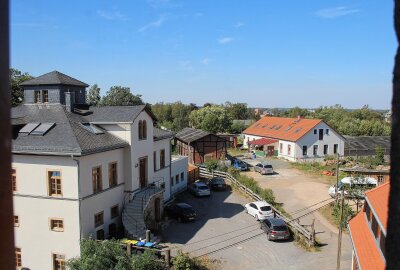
(199, 189)
(240, 165)
(264, 168)
(217, 183)
(275, 228)
(260, 210)
(181, 212)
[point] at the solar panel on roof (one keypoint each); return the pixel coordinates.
(28, 128)
(42, 129)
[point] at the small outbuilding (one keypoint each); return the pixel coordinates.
(200, 145)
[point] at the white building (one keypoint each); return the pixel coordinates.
(82, 171)
(294, 139)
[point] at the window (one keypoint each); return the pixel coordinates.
(172, 181)
(57, 225)
(18, 257)
(325, 149)
(315, 131)
(115, 211)
(16, 221)
(144, 132)
(315, 150)
(96, 179)
(335, 148)
(177, 179)
(289, 148)
(112, 230)
(375, 227)
(45, 95)
(320, 134)
(280, 147)
(155, 160)
(58, 262)
(304, 150)
(327, 131)
(14, 180)
(162, 158)
(380, 178)
(98, 219)
(100, 234)
(37, 96)
(113, 174)
(54, 179)
(182, 176)
(140, 130)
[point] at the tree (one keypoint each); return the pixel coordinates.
(296, 111)
(100, 255)
(237, 128)
(237, 110)
(16, 78)
(120, 96)
(379, 156)
(174, 116)
(93, 96)
(212, 118)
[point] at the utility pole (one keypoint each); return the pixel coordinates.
(337, 173)
(340, 232)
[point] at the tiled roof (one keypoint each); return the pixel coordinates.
(289, 129)
(54, 78)
(263, 141)
(378, 199)
(191, 134)
(365, 247)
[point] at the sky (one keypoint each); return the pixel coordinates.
(265, 53)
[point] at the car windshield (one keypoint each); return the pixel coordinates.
(268, 166)
(218, 181)
(203, 187)
(265, 208)
(281, 228)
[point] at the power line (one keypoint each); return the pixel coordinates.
(312, 211)
(307, 207)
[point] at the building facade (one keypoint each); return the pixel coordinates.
(77, 169)
(294, 139)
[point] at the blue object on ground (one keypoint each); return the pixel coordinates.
(149, 244)
(140, 244)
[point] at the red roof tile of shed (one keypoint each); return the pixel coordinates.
(263, 141)
(289, 129)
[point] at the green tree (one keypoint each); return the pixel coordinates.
(93, 96)
(174, 116)
(120, 96)
(237, 128)
(237, 110)
(379, 156)
(212, 118)
(101, 255)
(16, 78)
(296, 111)
(146, 261)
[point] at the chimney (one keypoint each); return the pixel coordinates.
(69, 101)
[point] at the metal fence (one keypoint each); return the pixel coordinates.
(308, 236)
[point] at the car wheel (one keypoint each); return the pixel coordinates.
(269, 236)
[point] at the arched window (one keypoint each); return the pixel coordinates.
(140, 130)
(144, 132)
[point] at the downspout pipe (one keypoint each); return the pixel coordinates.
(79, 200)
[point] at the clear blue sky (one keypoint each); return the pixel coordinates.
(303, 53)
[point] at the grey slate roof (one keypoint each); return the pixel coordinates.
(160, 134)
(54, 78)
(366, 142)
(68, 136)
(188, 135)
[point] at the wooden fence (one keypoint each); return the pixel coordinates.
(300, 230)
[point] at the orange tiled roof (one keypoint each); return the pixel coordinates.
(289, 129)
(379, 200)
(366, 249)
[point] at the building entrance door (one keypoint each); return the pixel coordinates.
(270, 151)
(143, 172)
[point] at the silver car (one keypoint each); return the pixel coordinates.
(264, 168)
(199, 189)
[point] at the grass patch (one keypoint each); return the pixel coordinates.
(326, 212)
(316, 168)
(302, 243)
(332, 213)
(236, 152)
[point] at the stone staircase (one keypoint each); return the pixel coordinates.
(133, 215)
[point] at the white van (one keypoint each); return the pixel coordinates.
(349, 182)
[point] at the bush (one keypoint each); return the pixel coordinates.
(211, 164)
(146, 261)
(347, 213)
(184, 262)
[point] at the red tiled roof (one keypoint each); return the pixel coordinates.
(366, 249)
(379, 201)
(263, 141)
(289, 129)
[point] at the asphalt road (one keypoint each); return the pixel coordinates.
(225, 232)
